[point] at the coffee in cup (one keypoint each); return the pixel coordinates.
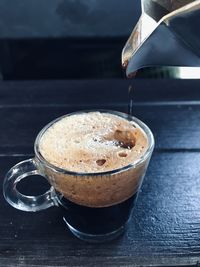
(95, 162)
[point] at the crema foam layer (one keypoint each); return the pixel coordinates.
(93, 142)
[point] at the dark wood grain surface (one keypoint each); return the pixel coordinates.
(165, 227)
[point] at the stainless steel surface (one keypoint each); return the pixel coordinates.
(173, 41)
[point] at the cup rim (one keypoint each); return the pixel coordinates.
(126, 116)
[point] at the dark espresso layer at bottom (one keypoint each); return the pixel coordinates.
(97, 221)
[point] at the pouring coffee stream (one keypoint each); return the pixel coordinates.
(167, 34)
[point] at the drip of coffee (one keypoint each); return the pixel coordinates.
(130, 98)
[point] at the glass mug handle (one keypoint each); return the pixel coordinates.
(22, 202)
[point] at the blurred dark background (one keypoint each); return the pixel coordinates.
(64, 39)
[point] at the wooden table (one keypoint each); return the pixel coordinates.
(165, 227)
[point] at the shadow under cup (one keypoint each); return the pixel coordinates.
(96, 206)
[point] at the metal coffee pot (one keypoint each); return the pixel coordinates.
(167, 34)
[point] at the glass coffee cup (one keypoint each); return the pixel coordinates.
(96, 206)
